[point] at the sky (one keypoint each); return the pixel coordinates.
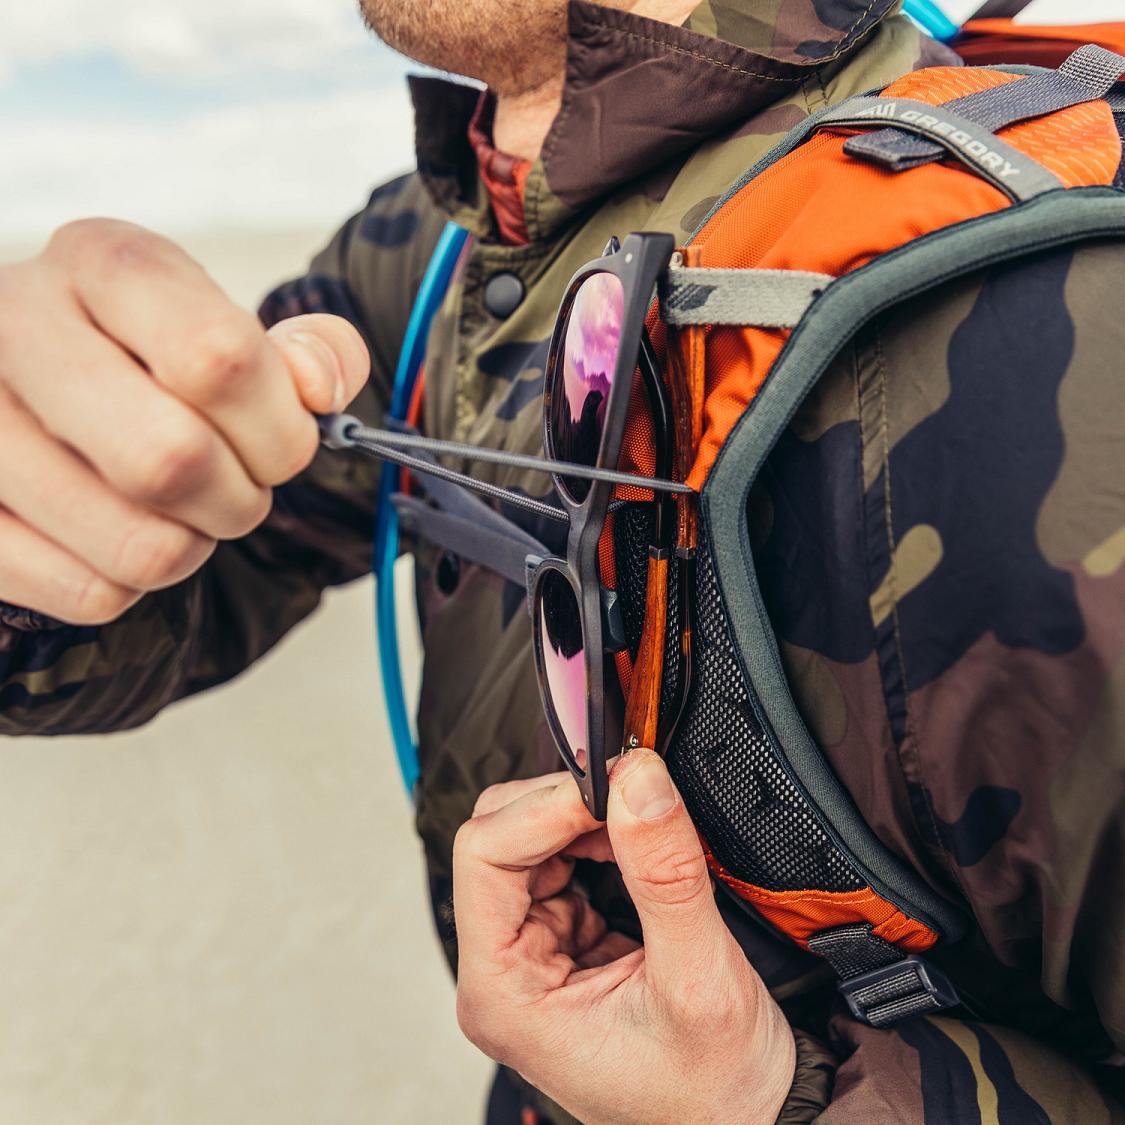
(200, 114)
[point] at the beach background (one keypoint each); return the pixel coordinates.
(222, 917)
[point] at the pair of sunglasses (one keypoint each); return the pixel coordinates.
(600, 349)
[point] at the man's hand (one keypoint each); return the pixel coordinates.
(681, 1029)
(144, 416)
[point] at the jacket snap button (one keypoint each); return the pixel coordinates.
(503, 294)
(448, 573)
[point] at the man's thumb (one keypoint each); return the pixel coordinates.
(662, 863)
(327, 359)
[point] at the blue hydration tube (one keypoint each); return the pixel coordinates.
(931, 19)
(435, 282)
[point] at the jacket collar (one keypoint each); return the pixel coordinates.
(638, 94)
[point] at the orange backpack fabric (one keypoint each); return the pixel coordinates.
(820, 210)
(1005, 42)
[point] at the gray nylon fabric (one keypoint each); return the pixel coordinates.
(1051, 220)
(1008, 169)
(1090, 73)
(504, 553)
(756, 298)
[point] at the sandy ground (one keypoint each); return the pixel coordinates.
(221, 918)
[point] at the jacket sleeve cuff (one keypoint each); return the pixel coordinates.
(26, 620)
(812, 1082)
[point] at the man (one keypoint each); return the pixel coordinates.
(146, 421)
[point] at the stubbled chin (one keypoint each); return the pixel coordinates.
(512, 47)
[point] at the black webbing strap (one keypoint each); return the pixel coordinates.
(1090, 73)
(880, 984)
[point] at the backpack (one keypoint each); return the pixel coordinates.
(955, 170)
(870, 203)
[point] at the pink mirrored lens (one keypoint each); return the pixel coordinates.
(589, 360)
(564, 662)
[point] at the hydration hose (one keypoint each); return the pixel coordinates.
(435, 282)
(931, 19)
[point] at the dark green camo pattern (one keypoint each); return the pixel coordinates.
(940, 536)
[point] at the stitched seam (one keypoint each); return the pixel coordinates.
(844, 45)
(888, 522)
(568, 99)
(548, 152)
(911, 736)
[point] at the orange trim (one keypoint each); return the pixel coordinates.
(820, 210)
(990, 42)
(413, 414)
(801, 914)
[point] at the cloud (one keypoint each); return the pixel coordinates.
(279, 163)
(197, 39)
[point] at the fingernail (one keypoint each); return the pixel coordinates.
(327, 361)
(648, 791)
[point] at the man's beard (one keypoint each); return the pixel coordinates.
(513, 46)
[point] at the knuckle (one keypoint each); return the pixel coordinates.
(118, 243)
(75, 235)
(98, 602)
(243, 519)
(466, 841)
(677, 876)
(223, 354)
(300, 448)
(173, 460)
(11, 298)
(152, 555)
(491, 799)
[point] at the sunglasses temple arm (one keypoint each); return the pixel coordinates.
(342, 431)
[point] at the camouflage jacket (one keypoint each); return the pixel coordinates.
(972, 707)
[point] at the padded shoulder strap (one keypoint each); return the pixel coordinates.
(880, 979)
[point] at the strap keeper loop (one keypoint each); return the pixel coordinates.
(890, 993)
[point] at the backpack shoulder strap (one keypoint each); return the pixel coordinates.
(853, 229)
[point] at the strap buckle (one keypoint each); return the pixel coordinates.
(906, 988)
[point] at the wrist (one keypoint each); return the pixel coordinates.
(774, 1070)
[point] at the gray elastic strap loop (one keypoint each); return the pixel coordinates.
(401, 444)
(504, 553)
(1005, 167)
(755, 298)
(452, 496)
(1090, 73)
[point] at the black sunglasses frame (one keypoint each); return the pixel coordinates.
(638, 264)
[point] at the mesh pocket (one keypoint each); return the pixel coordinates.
(755, 820)
(632, 534)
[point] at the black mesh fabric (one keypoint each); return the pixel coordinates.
(632, 534)
(753, 817)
